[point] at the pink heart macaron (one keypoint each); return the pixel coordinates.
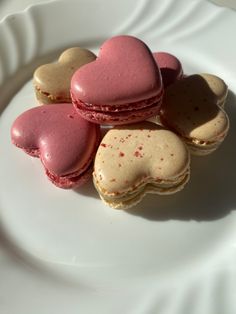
(170, 67)
(65, 142)
(123, 85)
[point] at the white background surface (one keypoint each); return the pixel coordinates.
(12, 6)
(44, 299)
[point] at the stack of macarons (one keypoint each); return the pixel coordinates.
(122, 87)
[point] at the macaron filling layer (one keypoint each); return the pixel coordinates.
(138, 186)
(79, 104)
(128, 199)
(51, 97)
(111, 114)
(196, 141)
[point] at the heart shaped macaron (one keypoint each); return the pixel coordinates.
(52, 81)
(136, 159)
(217, 87)
(190, 109)
(65, 143)
(170, 67)
(122, 85)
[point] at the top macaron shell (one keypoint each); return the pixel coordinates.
(54, 79)
(217, 86)
(58, 135)
(170, 67)
(124, 72)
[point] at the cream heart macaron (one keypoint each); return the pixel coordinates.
(52, 81)
(190, 110)
(136, 159)
(217, 86)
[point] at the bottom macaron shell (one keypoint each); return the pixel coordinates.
(132, 200)
(70, 182)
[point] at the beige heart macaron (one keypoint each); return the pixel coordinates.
(217, 87)
(52, 81)
(136, 159)
(189, 109)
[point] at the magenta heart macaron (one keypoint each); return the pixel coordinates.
(170, 67)
(65, 142)
(123, 85)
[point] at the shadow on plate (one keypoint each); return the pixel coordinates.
(211, 192)
(88, 190)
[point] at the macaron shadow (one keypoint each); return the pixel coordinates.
(210, 193)
(197, 101)
(87, 189)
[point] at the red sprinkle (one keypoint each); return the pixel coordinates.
(121, 154)
(137, 154)
(103, 145)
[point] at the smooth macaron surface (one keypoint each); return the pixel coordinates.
(138, 154)
(124, 72)
(189, 108)
(63, 140)
(54, 79)
(170, 67)
(217, 86)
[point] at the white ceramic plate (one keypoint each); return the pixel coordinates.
(64, 251)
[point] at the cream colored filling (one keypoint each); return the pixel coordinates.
(52, 97)
(132, 197)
